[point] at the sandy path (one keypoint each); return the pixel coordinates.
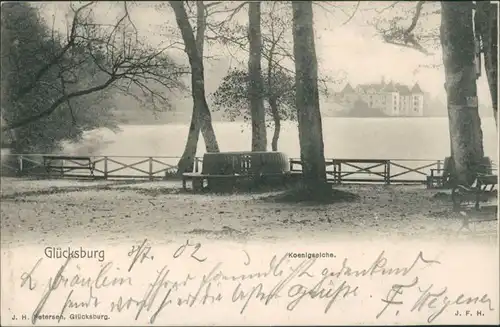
(67, 211)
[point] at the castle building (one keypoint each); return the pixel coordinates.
(391, 99)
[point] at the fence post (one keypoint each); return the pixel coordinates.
(291, 164)
(105, 167)
(150, 168)
(439, 165)
(388, 172)
(340, 173)
(196, 165)
(21, 163)
(335, 177)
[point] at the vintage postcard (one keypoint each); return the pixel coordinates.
(249, 163)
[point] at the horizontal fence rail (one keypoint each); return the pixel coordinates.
(104, 167)
(339, 171)
(382, 171)
(385, 171)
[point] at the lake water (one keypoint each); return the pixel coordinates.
(360, 138)
(424, 139)
(410, 139)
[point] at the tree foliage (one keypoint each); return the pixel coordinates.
(410, 24)
(361, 109)
(56, 86)
(26, 49)
(278, 74)
(233, 99)
(415, 25)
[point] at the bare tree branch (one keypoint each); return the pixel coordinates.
(394, 3)
(232, 12)
(55, 105)
(414, 21)
(409, 44)
(404, 37)
(112, 51)
(44, 69)
(353, 14)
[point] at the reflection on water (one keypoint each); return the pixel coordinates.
(382, 138)
(365, 138)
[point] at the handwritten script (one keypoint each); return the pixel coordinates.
(148, 284)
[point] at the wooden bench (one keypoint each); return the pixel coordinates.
(63, 164)
(482, 190)
(442, 177)
(474, 217)
(439, 178)
(222, 170)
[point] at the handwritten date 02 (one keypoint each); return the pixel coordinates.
(142, 252)
(183, 247)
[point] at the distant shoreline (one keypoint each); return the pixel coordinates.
(243, 122)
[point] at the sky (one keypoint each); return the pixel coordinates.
(345, 47)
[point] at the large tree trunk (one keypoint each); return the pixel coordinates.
(486, 25)
(255, 89)
(457, 41)
(307, 97)
(186, 163)
(272, 99)
(273, 103)
(201, 118)
(206, 128)
(8, 139)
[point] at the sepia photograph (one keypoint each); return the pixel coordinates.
(219, 163)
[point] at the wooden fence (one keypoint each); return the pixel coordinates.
(105, 167)
(386, 171)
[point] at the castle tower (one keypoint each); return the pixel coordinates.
(416, 89)
(417, 101)
(392, 99)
